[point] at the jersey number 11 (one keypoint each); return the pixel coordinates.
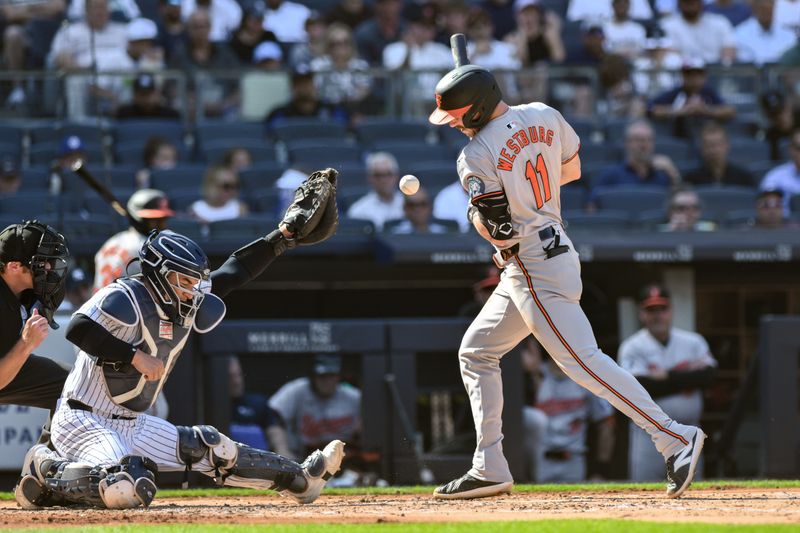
(540, 180)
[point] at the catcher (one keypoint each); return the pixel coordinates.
(130, 335)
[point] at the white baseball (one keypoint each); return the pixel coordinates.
(409, 184)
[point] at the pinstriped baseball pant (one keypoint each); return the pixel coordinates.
(87, 437)
(541, 296)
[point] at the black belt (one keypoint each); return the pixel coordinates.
(80, 406)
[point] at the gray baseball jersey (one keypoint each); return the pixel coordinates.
(642, 355)
(522, 152)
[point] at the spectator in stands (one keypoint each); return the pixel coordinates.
(15, 16)
(684, 212)
(538, 35)
(502, 14)
(198, 52)
(699, 35)
(319, 408)
(386, 26)
(781, 119)
(148, 102)
(642, 166)
(286, 20)
(158, 154)
(142, 49)
(70, 150)
(250, 34)
(225, 15)
(452, 17)
(302, 54)
(418, 220)
(342, 77)
(692, 103)
(786, 177)
(736, 11)
(418, 51)
(305, 102)
(119, 10)
(220, 197)
(715, 167)
(451, 204)
(653, 70)
(674, 366)
(78, 290)
(617, 91)
(149, 206)
(351, 13)
(602, 10)
(484, 50)
(268, 56)
(481, 291)
(593, 47)
(385, 201)
(624, 36)
(787, 13)
(769, 212)
(10, 178)
(170, 26)
(237, 159)
(760, 39)
(253, 421)
(556, 420)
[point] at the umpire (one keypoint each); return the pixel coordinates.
(33, 267)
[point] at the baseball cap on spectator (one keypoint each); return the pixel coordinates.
(693, 64)
(302, 72)
(327, 364)
(144, 83)
(70, 144)
(267, 51)
(593, 27)
(419, 14)
(141, 29)
(149, 203)
(77, 278)
(653, 295)
(519, 5)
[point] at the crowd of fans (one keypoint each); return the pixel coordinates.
(675, 132)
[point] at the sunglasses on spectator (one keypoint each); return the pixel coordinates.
(383, 173)
(420, 203)
(228, 186)
(685, 207)
(770, 202)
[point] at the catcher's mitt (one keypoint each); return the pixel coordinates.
(313, 215)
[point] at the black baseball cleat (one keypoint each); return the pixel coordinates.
(467, 487)
(30, 491)
(681, 466)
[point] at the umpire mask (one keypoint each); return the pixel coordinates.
(44, 251)
(165, 253)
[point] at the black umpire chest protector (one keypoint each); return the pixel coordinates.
(159, 337)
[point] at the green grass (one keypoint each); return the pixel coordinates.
(539, 526)
(583, 487)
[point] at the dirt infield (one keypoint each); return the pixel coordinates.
(733, 506)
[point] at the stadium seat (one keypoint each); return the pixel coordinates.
(584, 127)
(141, 130)
(118, 177)
(650, 219)
(409, 152)
(94, 203)
(345, 197)
(215, 131)
(266, 201)
(44, 154)
(632, 200)
(355, 226)
(182, 177)
(760, 167)
(605, 154)
(605, 219)
(452, 138)
(573, 198)
(35, 179)
(11, 150)
(132, 153)
(189, 227)
(241, 229)
(36, 203)
(260, 176)
(181, 199)
(322, 153)
(433, 174)
(451, 226)
(305, 129)
(744, 150)
(76, 227)
(794, 204)
(352, 174)
(718, 201)
(11, 134)
(740, 218)
(213, 152)
(373, 129)
(54, 133)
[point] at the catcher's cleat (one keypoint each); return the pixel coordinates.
(681, 466)
(30, 491)
(467, 487)
(318, 468)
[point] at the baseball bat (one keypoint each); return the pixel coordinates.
(458, 45)
(79, 168)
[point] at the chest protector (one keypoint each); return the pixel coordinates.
(159, 337)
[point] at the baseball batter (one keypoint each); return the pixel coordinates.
(513, 167)
(130, 334)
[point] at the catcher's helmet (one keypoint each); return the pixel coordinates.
(167, 252)
(468, 92)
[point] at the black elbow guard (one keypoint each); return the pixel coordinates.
(495, 214)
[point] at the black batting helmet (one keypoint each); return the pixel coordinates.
(468, 92)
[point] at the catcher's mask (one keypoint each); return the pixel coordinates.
(468, 92)
(44, 251)
(165, 253)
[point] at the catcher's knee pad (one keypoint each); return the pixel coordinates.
(130, 484)
(197, 442)
(259, 469)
